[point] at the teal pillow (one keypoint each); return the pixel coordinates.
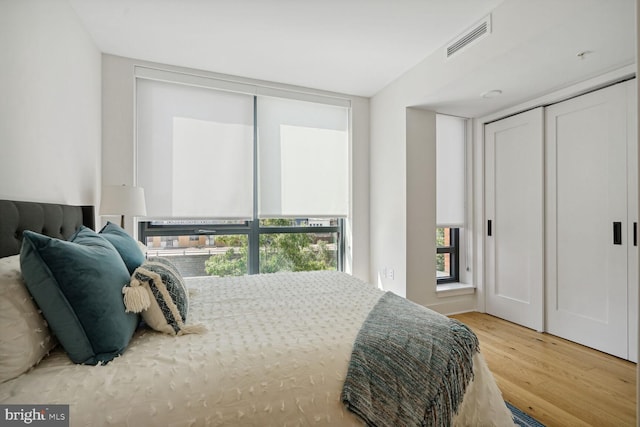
(126, 246)
(78, 286)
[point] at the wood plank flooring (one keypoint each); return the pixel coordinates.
(558, 382)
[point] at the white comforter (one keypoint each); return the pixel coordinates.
(275, 354)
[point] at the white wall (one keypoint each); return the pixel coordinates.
(358, 225)
(118, 135)
(403, 192)
(49, 104)
(433, 84)
(421, 211)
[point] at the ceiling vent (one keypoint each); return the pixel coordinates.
(475, 33)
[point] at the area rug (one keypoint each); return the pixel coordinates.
(521, 419)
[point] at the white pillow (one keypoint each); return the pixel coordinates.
(143, 248)
(25, 337)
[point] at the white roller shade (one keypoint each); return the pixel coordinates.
(450, 171)
(194, 151)
(303, 159)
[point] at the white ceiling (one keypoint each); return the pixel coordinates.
(359, 47)
(348, 46)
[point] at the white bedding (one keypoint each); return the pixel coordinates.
(275, 354)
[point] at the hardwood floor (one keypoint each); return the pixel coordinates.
(558, 382)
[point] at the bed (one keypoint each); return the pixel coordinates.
(280, 349)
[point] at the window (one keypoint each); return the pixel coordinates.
(450, 195)
(303, 159)
(238, 249)
(447, 255)
(194, 151)
(241, 184)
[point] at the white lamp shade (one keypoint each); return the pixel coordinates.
(123, 200)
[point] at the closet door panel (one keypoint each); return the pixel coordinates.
(514, 205)
(586, 210)
(633, 233)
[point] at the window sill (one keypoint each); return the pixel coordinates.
(454, 289)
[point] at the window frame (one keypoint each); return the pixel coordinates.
(250, 228)
(453, 249)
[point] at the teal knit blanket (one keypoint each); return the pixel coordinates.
(410, 366)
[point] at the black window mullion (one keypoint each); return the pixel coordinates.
(453, 249)
(341, 245)
(455, 257)
(253, 263)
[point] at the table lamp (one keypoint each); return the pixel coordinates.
(122, 200)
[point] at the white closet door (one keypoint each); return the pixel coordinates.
(586, 298)
(632, 229)
(514, 212)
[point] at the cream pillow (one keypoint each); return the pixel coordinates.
(157, 290)
(24, 335)
(143, 248)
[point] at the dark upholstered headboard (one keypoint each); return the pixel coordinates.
(53, 220)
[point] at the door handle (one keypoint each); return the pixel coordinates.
(635, 234)
(617, 233)
(489, 230)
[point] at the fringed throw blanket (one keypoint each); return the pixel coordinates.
(409, 366)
